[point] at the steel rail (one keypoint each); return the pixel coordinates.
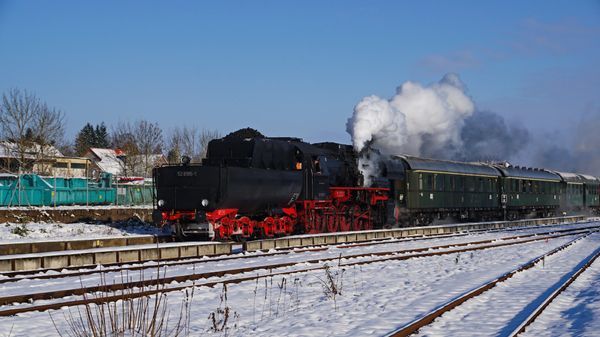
(427, 319)
(314, 247)
(35, 274)
(194, 277)
(538, 311)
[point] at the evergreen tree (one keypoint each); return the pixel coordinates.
(91, 137)
(85, 139)
(101, 136)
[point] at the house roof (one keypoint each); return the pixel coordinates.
(107, 160)
(10, 150)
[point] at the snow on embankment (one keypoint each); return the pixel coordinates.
(34, 231)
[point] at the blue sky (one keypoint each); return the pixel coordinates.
(297, 68)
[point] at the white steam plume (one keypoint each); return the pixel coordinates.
(416, 116)
(418, 120)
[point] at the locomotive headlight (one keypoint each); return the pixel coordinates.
(204, 202)
(161, 203)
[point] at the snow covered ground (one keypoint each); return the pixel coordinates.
(575, 312)
(12, 232)
(251, 260)
(500, 310)
(370, 300)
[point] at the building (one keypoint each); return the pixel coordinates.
(107, 160)
(117, 163)
(72, 167)
(48, 161)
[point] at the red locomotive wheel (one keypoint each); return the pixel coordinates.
(269, 227)
(246, 225)
(288, 225)
(332, 223)
(356, 219)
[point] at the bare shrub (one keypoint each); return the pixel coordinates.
(333, 281)
(220, 318)
(130, 316)
(20, 230)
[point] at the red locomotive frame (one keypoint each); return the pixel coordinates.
(347, 209)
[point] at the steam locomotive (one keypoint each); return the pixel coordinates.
(250, 186)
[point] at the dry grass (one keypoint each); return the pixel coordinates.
(221, 319)
(132, 317)
(333, 281)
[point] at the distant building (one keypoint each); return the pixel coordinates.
(10, 155)
(141, 165)
(118, 163)
(48, 161)
(107, 160)
(78, 167)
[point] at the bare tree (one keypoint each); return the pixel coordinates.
(150, 140)
(141, 141)
(48, 128)
(175, 145)
(122, 138)
(205, 137)
(28, 127)
(16, 116)
(190, 141)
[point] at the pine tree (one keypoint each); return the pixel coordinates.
(101, 136)
(85, 139)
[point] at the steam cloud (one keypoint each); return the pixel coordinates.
(416, 120)
(437, 121)
(577, 153)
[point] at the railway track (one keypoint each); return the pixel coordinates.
(538, 311)
(236, 275)
(125, 267)
(53, 273)
(485, 308)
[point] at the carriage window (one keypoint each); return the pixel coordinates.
(429, 181)
(420, 181)
(439, 182)
(452, 183)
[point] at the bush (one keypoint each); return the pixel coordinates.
(131, 316)
(20, 230)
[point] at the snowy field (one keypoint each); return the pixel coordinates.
(575, 312)
(12, 232)
(373, 299)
